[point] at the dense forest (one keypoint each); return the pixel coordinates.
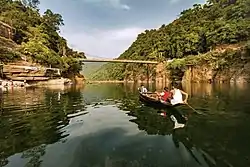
(36, 36)
(197, 31)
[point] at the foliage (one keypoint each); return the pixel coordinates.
(197, 30)
(38, 35)
(8, 55)
(215, 59)
(71, 66)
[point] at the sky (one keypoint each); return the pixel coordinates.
(106, 28)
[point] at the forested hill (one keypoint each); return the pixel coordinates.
(197, 30)
(37, 36)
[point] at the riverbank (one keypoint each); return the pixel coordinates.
(50, 82)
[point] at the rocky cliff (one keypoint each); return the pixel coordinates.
(239, 72)
(228, 65)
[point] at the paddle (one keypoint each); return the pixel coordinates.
(192, 108)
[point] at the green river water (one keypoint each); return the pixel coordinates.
(105, 125)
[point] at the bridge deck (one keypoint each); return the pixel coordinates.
(118, 61)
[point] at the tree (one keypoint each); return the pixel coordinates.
(31, 3)
(38, 36)
(52, 21)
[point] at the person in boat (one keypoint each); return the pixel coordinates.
(177, 96)
(142, 89)
(165, 96)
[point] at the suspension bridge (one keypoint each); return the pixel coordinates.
(158, 66)
(90, 58)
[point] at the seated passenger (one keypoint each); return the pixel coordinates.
(165, 95)
(142, 89)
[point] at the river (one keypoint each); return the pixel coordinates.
(105, 125)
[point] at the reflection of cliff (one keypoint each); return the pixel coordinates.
(23, 97)
(31, 96)
(198, 89)
(151, 86)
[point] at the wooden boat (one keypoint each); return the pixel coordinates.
(151, 99)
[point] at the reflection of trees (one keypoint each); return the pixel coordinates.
(23, 128)
(34, 154)
(3, 161)
(217, 135)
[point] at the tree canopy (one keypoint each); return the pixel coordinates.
(38, 35)
(197, 30)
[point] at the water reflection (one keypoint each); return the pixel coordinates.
(107, 125)
(31, 116)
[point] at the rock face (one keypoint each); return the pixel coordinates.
(237, 71)
(240, 73)
(162, 76)
(198, 74)
(231, 65)
(6, 30)
(22, 70)
(21, 73)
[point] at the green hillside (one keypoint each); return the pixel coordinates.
(37, 36)
(197, 31)
(90, 68)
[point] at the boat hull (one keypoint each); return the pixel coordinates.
(154, 102)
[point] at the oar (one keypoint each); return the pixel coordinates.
(192, 108)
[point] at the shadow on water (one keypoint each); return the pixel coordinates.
(107, 125)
